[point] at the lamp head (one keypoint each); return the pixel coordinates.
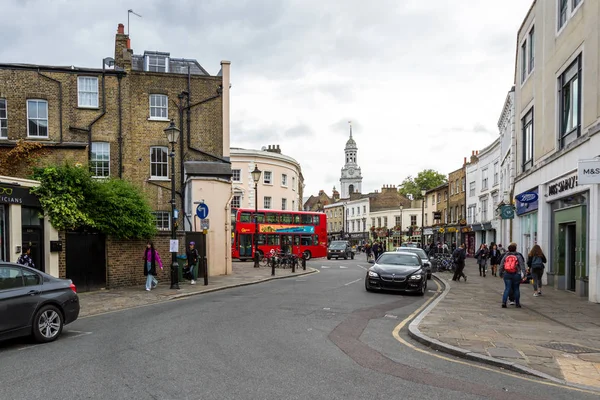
(256, 174)
(172, 133)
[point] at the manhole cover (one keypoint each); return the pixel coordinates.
(569, 348)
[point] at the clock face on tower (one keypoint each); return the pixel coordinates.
(351, 171)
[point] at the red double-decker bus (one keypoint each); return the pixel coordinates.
(299, 232)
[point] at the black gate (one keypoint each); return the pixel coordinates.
(86, 260)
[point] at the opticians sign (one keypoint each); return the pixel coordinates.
(588, 171)
(10, 194)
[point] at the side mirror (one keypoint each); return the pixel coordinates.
(371, 261)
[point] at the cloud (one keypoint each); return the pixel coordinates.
(422, 82)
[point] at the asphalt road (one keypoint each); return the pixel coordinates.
(320, 336)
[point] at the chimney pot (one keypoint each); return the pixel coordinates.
(472, 152)
(465, 161)
(121, 29)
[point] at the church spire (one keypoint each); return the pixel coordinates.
(350, 123)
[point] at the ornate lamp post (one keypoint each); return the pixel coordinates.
(256, 177)
(401, 233)
(423, 193)
(172, 134)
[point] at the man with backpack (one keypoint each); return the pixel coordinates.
(458, 256)
(512, 270)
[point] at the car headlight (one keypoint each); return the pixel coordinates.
(416, 277)
(373, 274)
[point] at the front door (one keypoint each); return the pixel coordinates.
(569, 248)
(245, 245)
(32, 237)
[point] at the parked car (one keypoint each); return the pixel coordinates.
(397, 271)
(34, 303)
(340, 248)
(421, 253)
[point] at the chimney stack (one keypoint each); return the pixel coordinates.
(123, 50)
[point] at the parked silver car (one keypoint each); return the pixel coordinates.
(35, 303)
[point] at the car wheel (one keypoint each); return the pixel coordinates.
(307, 255)
(367, 288)
(352, 256)
(423, 288)
(329, 257)
(47, 324)
(345, 257)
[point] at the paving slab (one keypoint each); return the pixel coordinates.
(470, 315)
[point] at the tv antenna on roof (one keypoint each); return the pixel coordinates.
(130, 11)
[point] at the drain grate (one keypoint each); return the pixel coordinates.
(569, 348)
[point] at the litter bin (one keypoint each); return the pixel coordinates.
(182, 261)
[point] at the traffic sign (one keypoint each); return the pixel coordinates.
(202, 211)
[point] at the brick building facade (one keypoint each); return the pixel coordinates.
(113, 118)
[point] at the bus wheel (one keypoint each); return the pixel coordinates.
(307, 255)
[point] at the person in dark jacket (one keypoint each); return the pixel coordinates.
(482, 256)
(459, 255)
(151, 259)
(376, 250)
(535, 261)
(495, 257)
(192, 261)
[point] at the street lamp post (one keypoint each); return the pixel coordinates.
(423, 193)
(256, 177)
(172, 136)
(401, 233)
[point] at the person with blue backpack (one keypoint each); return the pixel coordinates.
(535, 261)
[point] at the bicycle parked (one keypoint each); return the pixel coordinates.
(281, 260)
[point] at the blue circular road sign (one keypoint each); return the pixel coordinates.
(202, 211)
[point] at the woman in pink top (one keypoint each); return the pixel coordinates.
(151, 258)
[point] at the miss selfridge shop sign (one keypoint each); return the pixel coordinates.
(588, 171)
(10, 194)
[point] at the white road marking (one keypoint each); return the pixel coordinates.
(341, 266)
(391, 316)
(350, 283)
(323, 266)
(326, 308)
(77, 334)
(360, 266)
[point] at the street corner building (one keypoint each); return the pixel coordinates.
(557, 125)
(113, 118)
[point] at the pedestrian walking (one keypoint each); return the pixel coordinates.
(369, 251)
(192, 262)
(151, 259)
(481, 257)
(458, 256)
(375, 249)
(535, 261)
(495, 258)
(25, 258)
(512, 270)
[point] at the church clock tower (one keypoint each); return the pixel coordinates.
(351, 179)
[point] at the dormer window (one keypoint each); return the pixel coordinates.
(157, 63)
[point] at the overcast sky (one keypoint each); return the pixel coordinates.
(424, 82)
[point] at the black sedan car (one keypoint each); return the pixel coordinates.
(421, 253)
(397, 271)
(35, 303)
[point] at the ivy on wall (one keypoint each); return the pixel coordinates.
(21, 158)
(72, 199)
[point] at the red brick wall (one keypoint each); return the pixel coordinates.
(125, 264)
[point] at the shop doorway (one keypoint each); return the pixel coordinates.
(570, 256)
(32, 238)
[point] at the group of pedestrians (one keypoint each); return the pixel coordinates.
(374, 250)
(152, 261)
(510, 265)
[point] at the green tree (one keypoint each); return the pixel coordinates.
(426, 179)
(71, 199)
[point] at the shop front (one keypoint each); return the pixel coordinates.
(569, 210)
(527, 213)
(22, 225)
(467, 237)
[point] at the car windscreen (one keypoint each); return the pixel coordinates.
(337, 246)
(420, 252)
(399, 259)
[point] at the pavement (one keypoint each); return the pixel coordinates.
(555, 336)
(244, 273)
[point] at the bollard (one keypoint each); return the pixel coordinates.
(303, 261)
(272, 266)
(294, 262)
